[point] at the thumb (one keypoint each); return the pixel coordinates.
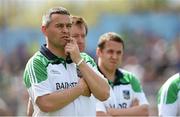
(73, 41)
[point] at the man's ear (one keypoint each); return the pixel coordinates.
(43, 29)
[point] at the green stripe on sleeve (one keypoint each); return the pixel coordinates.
(169, 91)
(35, 71)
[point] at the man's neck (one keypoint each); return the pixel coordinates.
(59, 52)
(109, 74)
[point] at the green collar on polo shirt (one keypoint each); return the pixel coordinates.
(53, 58)
(118, 78)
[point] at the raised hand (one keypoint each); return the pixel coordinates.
(72, 49)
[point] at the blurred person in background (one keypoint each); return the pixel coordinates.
(61, 92)
(79, 31)
(126, 95)
(4, 111)
(133, 65)
(169, 97)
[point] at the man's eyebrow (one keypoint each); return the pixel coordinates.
(63, 23)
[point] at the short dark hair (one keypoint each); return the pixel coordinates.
(79, 21)
(46, 19)
(110, 36)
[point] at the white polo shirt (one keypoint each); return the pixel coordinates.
(46, 73)
(169, 97)
(123, 91)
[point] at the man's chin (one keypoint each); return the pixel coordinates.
(112, 66)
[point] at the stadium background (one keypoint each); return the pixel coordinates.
(151, 29)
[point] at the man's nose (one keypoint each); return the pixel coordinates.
(114, 55)
(65, 29)
(81, 39)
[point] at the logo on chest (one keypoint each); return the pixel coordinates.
(55, 72)
(65, 85)
(126, 94)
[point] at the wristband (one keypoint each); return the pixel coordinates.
(80, 62)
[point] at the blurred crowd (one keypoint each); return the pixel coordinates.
(13, 94)
(153, 60)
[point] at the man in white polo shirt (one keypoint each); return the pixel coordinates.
(126, 95)
(52, 82)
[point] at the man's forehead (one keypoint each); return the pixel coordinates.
(113, 45)
(112, 42)
(78, 27)
(61, 18)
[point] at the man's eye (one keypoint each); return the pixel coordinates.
(59, 26)
(110, 51)
(119, 52)
(69, 26)
(74, 35)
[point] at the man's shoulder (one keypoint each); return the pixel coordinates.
(88, 59)
(131, 79)
(174, 79)
(85, 55)
(169, 91)
(127, 73)
(35, 68)
(38, 57)
(173, 82)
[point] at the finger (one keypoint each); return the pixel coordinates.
(67, 49)
(66, 52)
(72, 40)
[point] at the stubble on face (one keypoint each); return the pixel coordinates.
(58, 30)
(58, 34)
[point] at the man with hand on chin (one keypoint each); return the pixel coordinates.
(52, 83)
